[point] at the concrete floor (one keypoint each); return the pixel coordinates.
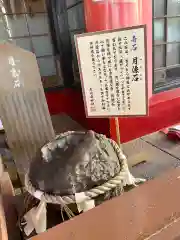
(152, 155)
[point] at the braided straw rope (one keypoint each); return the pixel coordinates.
(123, 178)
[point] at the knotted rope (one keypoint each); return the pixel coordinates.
(123, 178)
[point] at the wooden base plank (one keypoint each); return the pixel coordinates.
(3, 227)
(7, 193)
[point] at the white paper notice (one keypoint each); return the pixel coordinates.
(113, 72)
(1, 126)
(83, 204)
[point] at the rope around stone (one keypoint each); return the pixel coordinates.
(123, 178)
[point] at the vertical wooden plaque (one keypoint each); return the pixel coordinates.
(23, 108)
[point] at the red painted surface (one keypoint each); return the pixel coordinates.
(163, 107)
(119, 14)
(70, 101)
(160, 116)
(165, 96)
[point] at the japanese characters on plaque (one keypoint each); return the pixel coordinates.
(15, 72)
(113, 71)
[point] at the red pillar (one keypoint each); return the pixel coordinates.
(113, 14)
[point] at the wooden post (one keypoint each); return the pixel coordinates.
(117, 131)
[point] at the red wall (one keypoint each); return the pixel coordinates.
(163, 107)
(117, 15)
(70, 101)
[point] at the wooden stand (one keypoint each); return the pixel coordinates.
(117, 131)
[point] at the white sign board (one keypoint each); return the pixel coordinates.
(117, 1)
(113, 72)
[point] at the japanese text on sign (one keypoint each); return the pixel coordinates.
(113, 70)
(15, 72)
